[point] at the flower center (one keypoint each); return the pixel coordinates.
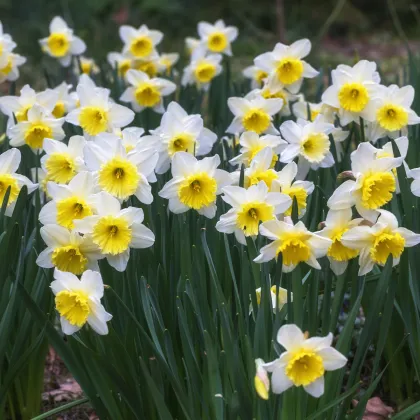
(294, 249)
(267, 176)
(204, 72)
(70, 209)
(315, 147)
(59, 109)
(251, 214)
(36, 133)
(69, 258)
(119, 177)
(73, 306)
(60, 168)
(141, 46)
(301, 196)
(289, 70)
(181, 143)
(58, 44)
(353, 97)
(93, 120)
(198, 190)
(217, 42)
(148, 67)
(304, 367)
(7, 181)
(256, 120)
(337, 250)
(377, 189)
(392, 117)
(147, 95)
(112, 235)
(386, 244)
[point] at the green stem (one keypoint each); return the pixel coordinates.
(61, 408)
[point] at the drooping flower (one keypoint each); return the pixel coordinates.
(79, 301)
(304, 362)
(39, 126)
(195, 184)
(69, 202)
(337, 223)
(121, 174)
(353, 91)
(202, 69)
(309, 142)
(62, 43)
(380, 241)
(68, 251)
(97, 113)
(286, 62)
(250, 207)
(253, 113)
(115, 231)
(61, 161)
(146, 92)
(373, 185)
(217, 38)
(141, 42)
(9, 164)
(295, 242)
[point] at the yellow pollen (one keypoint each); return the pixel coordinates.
(141, 47)
(112, 235)
(337, 250)
(315, 147)
(60, 167)
(205, 72)
(377, 189)
(93, 120)
(353, 97)
(69, 258)
(7, 181)
(289, 70)
(70, 209)
(392, 117)
(36, 133)
(294, 248)
(217, 42)
(58, 44)
(305, 367)
(251, 214)
(73, 306)
(147, 95)
(256, 120)
(198, 191)
(387, 243)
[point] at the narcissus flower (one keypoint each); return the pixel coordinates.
(39, 126)
(97, 113)
(62, 43)
(86, 66)
(68, 251)
(285, 61)
(217, 38)
(61, 161)
(9, 66)
(251, 143)
(65, 101)
(115, 231)
(294, 242)
(250, 207)
(9, 164)
(166, 62)
(141, 42)
(79, 301)
(69, 202)
(373, 186)
(393, 110)
(195, 184)
(380, 241)
(121, 174)
(276, 303)
(309, 142)
(297, 189)
(146, 92)
(18, 106)
(120, 62)
(353, 91)
(304, 362)
(149, 66)
(256, 75)
(337, 223)
(202, 69)
(260, 169)
(253, 113)
(180, 132)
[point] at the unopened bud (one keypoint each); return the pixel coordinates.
(261, 381)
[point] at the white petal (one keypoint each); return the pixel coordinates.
(332, 359)
(290, 336)
(316, 388)
(279, 381)
(142, 237)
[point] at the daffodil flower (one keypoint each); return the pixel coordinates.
(62, 43)
(9, 66)
(166, 62)
(68, 251)
(260, 169)
(278, 302)
(217, 38)
(295, 242)
(380, 241)
(119, 62)
(304, 362)
(86, 66)
(286, 62)
(195, 184)
(79, 301)
(146, 92)
(115, 231)
(250, 207)
(9, 164)
(64, 102)
(141, 42)
(256, 75)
